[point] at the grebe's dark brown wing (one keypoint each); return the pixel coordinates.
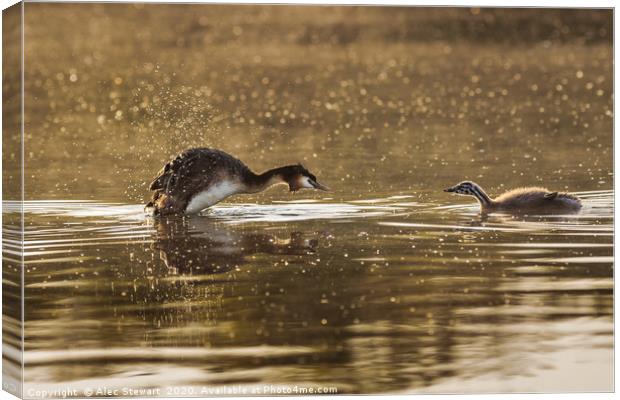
(161, 180)
(168, 176)
(196, 169)
(192, 172)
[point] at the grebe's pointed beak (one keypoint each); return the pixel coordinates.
(317, 185)
(450, 189)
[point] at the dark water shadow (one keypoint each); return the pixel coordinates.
(200, 245)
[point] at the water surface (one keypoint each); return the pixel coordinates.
(384, 285)
(389, 295)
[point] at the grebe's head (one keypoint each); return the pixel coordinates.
(298, 177)
(467, 188)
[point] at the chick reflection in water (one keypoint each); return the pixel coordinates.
(190, 246)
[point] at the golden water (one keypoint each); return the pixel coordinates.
(385, 284)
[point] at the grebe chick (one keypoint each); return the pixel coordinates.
(533, 199)
(201, 177)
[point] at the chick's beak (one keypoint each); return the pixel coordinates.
(449, 190)
(317, 185)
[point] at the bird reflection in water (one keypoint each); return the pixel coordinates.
(199, 245)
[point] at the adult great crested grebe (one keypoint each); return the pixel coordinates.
(201, 177)
(529, 199)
